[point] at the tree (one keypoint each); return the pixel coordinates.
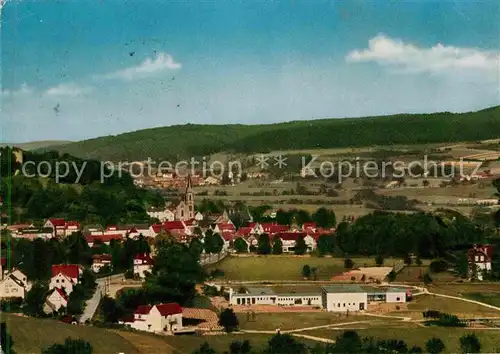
(300, 246)
(196, 247)
(379, 260)
(240, 245)
(6, 339)
(324, 217)
(110, 310)
(205, 349)
(326, 244)
(35, 299)
(285, 344)
(348, 342)
(462, 265)
(418, 261)
(228, 320)
(213, 242)
(427, 279)
(470, 344)
(438, 266)
(176, 272)
(348, 263)
(264, 245)
(391, 276)
(306, 271)
(70, 346)
(238, 347)
(435, 345)
(277, 246)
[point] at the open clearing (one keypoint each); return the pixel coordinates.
(30, 335)
(490, 339)
(290, 321)
(284, 268)
(492, 298)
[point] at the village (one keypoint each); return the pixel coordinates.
(363, 288)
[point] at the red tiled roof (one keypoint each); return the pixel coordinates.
(173, 225)
(156, 228)
(143, 309)
(72, 224)
(58, 222)
(102, 257)
(69, 270)
(486, 250)
(228, 236)
(169, 309)
(309, 225)
(274, 228)
(243, 231)
(226, 226)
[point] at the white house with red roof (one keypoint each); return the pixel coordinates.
(480, 260)
(143, 263)
(156, 318)
(289, 240)
(65, 277)
(61, 227)
(56, 299)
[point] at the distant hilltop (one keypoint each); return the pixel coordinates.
(35, 145)
(192, 140)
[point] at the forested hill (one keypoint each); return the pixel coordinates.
(198, 140)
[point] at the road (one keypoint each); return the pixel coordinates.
(93, 302)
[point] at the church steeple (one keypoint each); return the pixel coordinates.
(189, 198)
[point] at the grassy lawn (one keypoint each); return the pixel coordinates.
(260, 268)
(492, 298)
(188, 344)
(412, 275)
(30, 335)
(459, 289)
(458, 307)
(289, 321)
(490, 340)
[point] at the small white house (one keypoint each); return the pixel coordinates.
(14, 284)
(65, 277)
(157, 319)
(56, 299)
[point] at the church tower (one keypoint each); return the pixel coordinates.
(189, 199)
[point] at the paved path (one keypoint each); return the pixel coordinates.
(93, 302)
(466, 300)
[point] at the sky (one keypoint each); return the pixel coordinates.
(78, 69)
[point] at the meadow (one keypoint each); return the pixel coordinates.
(284, 268)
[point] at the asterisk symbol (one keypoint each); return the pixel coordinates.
(280, 161)
(262, 161)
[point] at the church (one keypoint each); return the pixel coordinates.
(185, 209)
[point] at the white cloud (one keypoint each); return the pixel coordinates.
(68, 89)
(437, 59)
(22, 91)
(148, 67)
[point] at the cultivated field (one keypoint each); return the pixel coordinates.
(284, 268)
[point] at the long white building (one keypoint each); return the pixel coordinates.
(334, 298)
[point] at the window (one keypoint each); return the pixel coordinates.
(57, 281)
(477, 258)
(481, 258)
(338, 305)
(397, 299)
(344, 304)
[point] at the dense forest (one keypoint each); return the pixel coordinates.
(190, 140)
(116, 200)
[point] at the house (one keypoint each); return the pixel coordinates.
(103, 239)
(157, 318)
(19, 227)
(62, 228)
(142, 263)
(211, 181)
(289, 240)
(480, 260)
(162, 214)
(198, 216)
(14, 284)
(176, 228)
(65, 277)
(34, 233)
(56, 299)
(101, 260)
(353, 297)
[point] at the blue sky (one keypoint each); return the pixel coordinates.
(79, 69)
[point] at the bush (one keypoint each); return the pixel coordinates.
(348, 263)
(438, 266)
(129, 274)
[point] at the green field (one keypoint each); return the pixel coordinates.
(290, 321)
(492, 298)
(283, 268)
(30, 335)
(490, 340)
